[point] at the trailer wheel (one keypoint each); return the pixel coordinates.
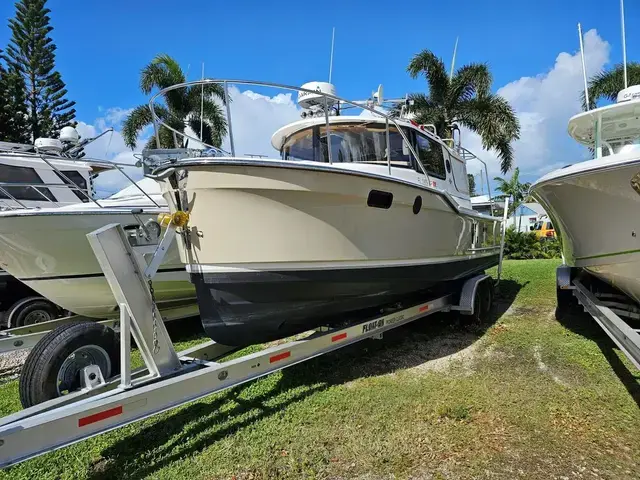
(29, 311)
(486, 291)
(567, 303)
(54, 366)
(482, 302)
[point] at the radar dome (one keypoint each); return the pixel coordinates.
(631, 93)
(69, 135)
(308, 99)
(52, 145)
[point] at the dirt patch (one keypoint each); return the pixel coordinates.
(444, 353)
(11, 363)
(543, 367)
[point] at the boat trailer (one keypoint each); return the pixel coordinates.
(169, 378)
(609, 310)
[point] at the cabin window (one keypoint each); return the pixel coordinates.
(362, 142)
(77, 178)
(24, 175)
(431, 156)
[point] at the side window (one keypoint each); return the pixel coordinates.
(12, 174)
(77, 178)
(430, 153)
(400, 156)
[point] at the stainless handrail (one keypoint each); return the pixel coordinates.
(158, 122)
(467, 155)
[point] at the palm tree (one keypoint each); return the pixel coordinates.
(464, 98)
(607, 84)
(181, 107)
(513, 189)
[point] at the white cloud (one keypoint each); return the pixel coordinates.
(111, 147)
(544, 104)
(255, 117)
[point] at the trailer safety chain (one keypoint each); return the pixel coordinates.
(154, 307)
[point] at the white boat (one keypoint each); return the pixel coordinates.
(276, 246)
(594, 204)
(48, 212)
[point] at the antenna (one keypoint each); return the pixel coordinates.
(453, 62)
(202, 104)
(584, 69)
(333, 37)
(624, 43)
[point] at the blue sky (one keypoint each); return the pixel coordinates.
(102, 45)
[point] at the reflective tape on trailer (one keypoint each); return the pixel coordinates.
(96, 417)
(280, 356)
(340, 336)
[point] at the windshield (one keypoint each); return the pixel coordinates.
(349, 142)
(619, 146)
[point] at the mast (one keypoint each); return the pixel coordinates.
(624, 44)
(333, 37)
(584, 69)
(453, 61)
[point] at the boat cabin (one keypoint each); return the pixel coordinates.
(51, 172)
(360, 143)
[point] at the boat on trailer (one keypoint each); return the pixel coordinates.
(594, 207)
(356, 212)
(78, 382)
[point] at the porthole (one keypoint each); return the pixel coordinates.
(448, 165)
(380, 199)
(417, 205)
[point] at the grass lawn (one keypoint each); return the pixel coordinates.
(522, 396)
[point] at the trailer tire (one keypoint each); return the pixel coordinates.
(567, 303)
(55, 364)
(29, 311)
(482, 303)
(487, 298)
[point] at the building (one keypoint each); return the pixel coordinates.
(526, 215)
(484, 204)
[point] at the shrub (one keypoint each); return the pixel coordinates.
(525, 245)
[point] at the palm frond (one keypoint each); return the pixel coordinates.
(470, 80)
(607, 84)
(494, 120)
(214, 114)
(137, 120)
(211, 90)
(166, 139)
(434, 71)
(207, 132)
(163, 72)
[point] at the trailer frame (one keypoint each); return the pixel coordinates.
(607, 314)
(169, 378)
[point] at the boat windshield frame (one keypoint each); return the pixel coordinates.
(329, 101)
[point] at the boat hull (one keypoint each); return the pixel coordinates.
(596, 213)
(255, 307)
(276, 250)
(50, 253)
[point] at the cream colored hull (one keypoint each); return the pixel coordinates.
(249, 217)
(50, 253)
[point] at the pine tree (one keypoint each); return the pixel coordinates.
(32, 54)
(13, 110)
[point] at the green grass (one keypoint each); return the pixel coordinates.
(521, 396)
